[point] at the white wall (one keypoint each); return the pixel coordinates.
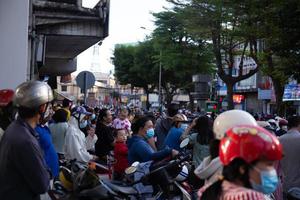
(14, 16)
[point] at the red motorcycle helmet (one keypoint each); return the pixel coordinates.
(6, 96)
(249, 143)
(283, 122)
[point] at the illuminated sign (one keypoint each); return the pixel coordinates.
(238, 98)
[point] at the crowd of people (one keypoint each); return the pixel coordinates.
(235, 155)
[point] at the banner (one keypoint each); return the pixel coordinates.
(291, 92)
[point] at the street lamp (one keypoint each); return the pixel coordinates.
(159, 77)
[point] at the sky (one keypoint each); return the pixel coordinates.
(125, 22)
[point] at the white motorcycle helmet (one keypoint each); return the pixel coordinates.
(184, 173)
(229, 119)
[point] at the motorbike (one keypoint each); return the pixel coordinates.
(154, 180)
(75, 177)
(161, 180)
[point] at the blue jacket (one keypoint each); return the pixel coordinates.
(173, 138)
(46, 144)
(140, 150)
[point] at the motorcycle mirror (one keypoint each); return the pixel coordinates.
(130, 170)
(135, 164)
(184, 143)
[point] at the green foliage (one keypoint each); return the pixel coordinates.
(134, 65)
(181, 55)
(274, 25)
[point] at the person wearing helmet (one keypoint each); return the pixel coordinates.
(75, 141)
(6, 109)
(211, 167)
(23, 172)
(248, 154)
(282, 127)
(173, 138)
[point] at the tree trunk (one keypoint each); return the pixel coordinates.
(230, 95)
(147, 100)
(279, 90)
(169, 99)
(191, 101)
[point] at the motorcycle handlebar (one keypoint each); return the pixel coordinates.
(181, 158)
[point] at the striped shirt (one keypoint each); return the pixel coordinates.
(232, 191)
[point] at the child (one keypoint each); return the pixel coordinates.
(122, 121)
(91, 139)
(120, 154)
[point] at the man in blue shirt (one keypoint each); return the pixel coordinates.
(45, 140)
(173, 138)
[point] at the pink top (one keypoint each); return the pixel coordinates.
(232, 191)
(122, 124)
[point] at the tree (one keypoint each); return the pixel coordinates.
(274, 25)
(181, 55)
(229, 26)
(279, 28)
(135, 65)
(145, 70)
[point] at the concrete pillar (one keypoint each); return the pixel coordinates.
(14, 19)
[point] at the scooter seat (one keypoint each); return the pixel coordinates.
(121, 189)
(98, 192)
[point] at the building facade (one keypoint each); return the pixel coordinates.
(41, 38)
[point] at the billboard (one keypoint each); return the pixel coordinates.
(291, 92)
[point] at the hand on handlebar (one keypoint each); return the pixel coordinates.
(174, 153)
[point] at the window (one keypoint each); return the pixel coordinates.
(64, 88)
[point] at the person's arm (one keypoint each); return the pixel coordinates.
(188, 130)
(151, 142)
(32, 167)
(144, 150)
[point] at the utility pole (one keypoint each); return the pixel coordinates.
(159, 84)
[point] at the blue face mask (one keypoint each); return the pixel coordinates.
(184, 126)
(150, 133)
(269, 181)
(83, 124)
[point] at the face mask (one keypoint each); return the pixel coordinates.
(269, 181)
(184, 126)
(83, 124)
(93, 117)
(150, 133)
